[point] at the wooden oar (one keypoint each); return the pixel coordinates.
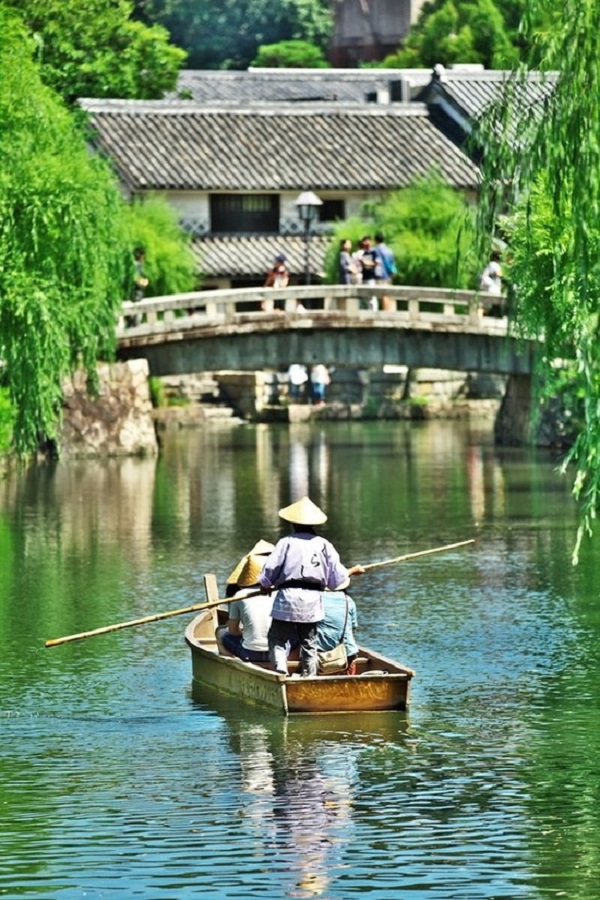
(198, 606)
(155, 618)
(397, 559)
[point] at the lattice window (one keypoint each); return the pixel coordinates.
(244, 213)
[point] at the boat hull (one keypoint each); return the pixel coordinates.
(382, 684)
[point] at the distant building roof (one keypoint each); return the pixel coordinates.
(298, 85)
(471, 93)
(158, 145)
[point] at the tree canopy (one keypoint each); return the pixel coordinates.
(227, 35)
(97, 49)
(546, 176)
(290, 55)
(169, 265)
(451, 31)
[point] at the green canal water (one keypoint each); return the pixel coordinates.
(119, 780)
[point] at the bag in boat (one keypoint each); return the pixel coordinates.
(333, 660)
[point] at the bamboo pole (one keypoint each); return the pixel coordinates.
(397, 559)
(199, 606)
(155, 618)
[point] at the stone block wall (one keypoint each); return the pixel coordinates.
(116, 422)
(249, 392)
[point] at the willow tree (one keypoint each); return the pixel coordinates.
(544, 171)
(61, 246)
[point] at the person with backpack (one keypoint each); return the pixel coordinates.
(385, 267)
(385, 264)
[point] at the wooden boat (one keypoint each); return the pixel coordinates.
(380, 684)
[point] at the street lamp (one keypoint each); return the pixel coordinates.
(308, 209)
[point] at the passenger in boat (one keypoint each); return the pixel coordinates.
(249, 619)
(336, 624)
(299, 569)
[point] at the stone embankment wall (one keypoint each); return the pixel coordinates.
(116, 422)
(120, 420)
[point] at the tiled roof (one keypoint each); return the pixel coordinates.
(293, 85)
(474, 92)
(252, 257)
(157, 145)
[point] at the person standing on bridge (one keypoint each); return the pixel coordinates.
(490, 282)
(385, 266)
(491, 277)
(140, 283)
(367, 257)
(347, 264)
(278, 277)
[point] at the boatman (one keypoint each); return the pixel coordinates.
(301, 566)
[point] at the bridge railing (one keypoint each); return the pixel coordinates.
(411, 306)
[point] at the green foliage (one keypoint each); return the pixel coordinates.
(430, 228)
(96, 49)
(169, 264)
(7, 421)
(227, 35)
(158, 394)
(451, 31)
(61, 240)
(537, 237)
(290, 55)
(554, 204)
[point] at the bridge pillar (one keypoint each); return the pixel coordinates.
(513, 425)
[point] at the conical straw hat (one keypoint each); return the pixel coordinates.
(303, 512)
(233, 578)
(261, 548)
(251, 571)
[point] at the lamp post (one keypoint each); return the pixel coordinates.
(308, 209)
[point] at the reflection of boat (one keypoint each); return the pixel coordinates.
(380, 684)
(298, 780)
(361, 729)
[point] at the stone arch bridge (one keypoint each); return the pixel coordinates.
(339, 325)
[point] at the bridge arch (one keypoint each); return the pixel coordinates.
(267, 329)
(334, 324)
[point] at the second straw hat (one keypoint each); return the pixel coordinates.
(303, 512)
(261, 548)
(251, 571)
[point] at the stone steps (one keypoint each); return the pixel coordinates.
(193, 415)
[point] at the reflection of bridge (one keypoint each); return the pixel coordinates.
(262, 328)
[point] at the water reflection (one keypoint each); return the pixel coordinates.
(390, 482)
(300, 783)
(69, 505)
